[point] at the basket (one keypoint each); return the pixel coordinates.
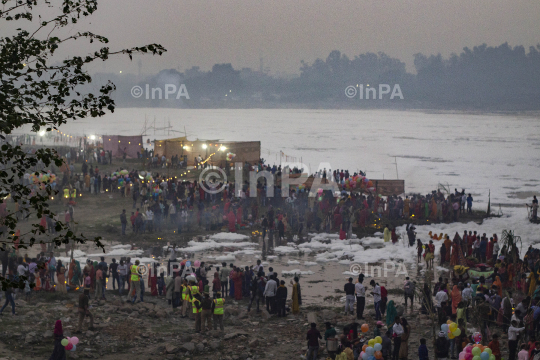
(331, 344)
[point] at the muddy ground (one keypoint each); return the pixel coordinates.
(153, 330)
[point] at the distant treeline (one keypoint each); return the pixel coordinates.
(484, 78)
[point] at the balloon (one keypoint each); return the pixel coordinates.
(462, 355)
(378, 347)
(74, 348)
(456, 332)
(370, 351)
(197, 263)
(491, 357)
(444, 328)
(371, 357)
(378, 340)
(364, 328)
(378, 355)
(64, 342)
(484, 356)
(469, 356)
(188, 263)
(450, 335)
(364, 347)
(69, 346)
(476, 352)
(371, 343)
(365, 356)
(74, 340)
(476, 357)
(488, 350)
(468, 349)
(452, 327)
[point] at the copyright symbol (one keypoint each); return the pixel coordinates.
(136, 91)
(356, 269)
(141, 270)
(350, 91)
(213, 180)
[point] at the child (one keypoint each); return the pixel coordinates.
(494, 346)
(377, 330)
(423, 351)
(535, 354)
(441, 346)
(531, 345)
(523, 354)
(27, 290)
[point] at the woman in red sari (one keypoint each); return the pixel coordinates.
(363, 217)
(418, 208)
(232, 221)
(394, 236)
(239, 215)
(237, 278)
(456, 298)
(433, 205)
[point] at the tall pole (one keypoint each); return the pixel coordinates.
(397, 174)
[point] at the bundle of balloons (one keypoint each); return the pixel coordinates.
(476, 352)
(450, 329)
(358, 181)
(70, 343)
(41, 178)
(230, 156)
(371, 350)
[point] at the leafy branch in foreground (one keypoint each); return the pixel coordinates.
(41, 93)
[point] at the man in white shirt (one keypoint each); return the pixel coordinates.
(149, 219)
(270, 294)
(376, 299)
(496, 249)
(397, 331)
(440, 297)
(21, 269)
(476, 246)
(360, 292)
(257, 267)
(466, 294)
(513, 332)
(172, 259)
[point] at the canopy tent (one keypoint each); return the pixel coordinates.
(216, 150)
(119, 145)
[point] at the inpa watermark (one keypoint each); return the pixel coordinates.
(214, 180)
(380, 270)
(370, 92)
(169, 91)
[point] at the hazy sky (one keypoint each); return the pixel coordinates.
(204, 32)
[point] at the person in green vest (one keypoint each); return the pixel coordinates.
(135, 280)
(197, 308)
(217, 307)
(186, 299)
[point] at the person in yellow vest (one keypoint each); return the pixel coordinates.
(73, 194)
(186, 305)
(217, 306)
(66, 193)
(193, 289)
(197, 308)
(135, 280)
